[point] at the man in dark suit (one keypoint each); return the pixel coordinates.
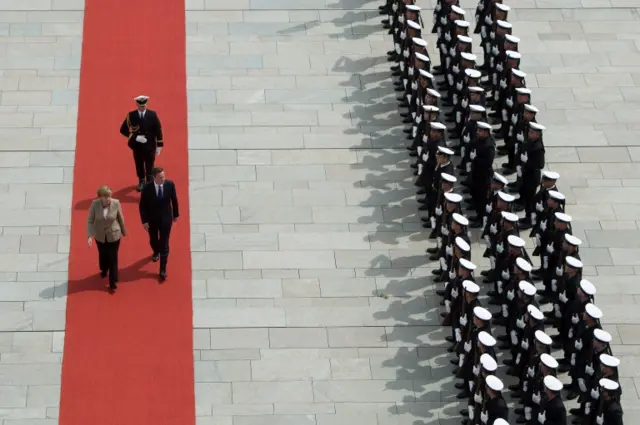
(144, 134)
(158, 211)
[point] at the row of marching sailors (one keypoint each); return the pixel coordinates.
(586, 353)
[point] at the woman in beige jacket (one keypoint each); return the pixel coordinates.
(105, 224)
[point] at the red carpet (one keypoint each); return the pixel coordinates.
(128, 357)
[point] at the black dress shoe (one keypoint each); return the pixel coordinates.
(576, 411)
(459, 385)
(103, 273)
(464, 412)
(450, 339)
(163, 275)
(112, 287)
(155, 257)
(462, 395)
(519, 410)
(440, 292)
(140, 186)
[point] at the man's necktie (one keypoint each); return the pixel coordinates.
(160, 192)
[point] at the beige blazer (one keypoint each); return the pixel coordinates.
(108, 229)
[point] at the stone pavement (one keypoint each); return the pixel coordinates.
(312, 301)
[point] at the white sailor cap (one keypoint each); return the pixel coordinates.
(420, 42)
(477, 108)
(475, 89)
(516, 241)
(535, 312)
(458, 10)
(523, 265)
(472, 73)
(445, 151)
(504, 24)
(414, 25)
(483, 125)
(523, 90)
(434, 93)
(527, 287)
(565, 218)
(438, 126)
(550, 175)
(555, 195)
(531, 108)
(468, 56)
(482, 314)
(572, 240)
(454, 198)
(608, 384)
(430, 108)
(422, 57)
(467, 264)
(470, 286)
(587, 287)
(511, 217)
(426, 74)
(609, 361)
(484, 337)
(500, 421)
(506, 197)
(488, 363)
(459, 218)
(573, 262)
(503, 7)
(593, 311)
(448, 178)
(413, 8)
(142, 99)
(518, 73)
(602, 336)
(462, 244)
(549, 361)
(511, 38)
(494, 383)
(535, 126)
(553, 383)
(464, 39)
(543, 338)
(500, 178)
(462, 23)
(512, 54)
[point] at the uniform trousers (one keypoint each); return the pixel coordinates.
(144, 160)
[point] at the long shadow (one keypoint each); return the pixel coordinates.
(126, 195)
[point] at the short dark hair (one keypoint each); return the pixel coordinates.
(156, 171)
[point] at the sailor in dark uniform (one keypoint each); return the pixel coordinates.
(548, 182)
(608, 411)
(143, 131)
(493, 406)
(552, 409)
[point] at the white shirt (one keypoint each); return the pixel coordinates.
(141, 113)
(158, 188)
(105, 211)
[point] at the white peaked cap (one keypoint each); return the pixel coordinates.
(523, 264)
(518, 73)
(500, 421)
(494, 383)
(458, 10)
(593, 311)
(414, 25)
(419, 41)
(511, 54)
(563, 217)
(462, 244)
(543, 338)
(141, 98)
(506, 197)
(536, 126)
(445, 150)
(488, 363)
(477, 108)
(573, 262)
(476, 89)
(483, 125)
(527, 288)
(516, 241)
(499, 177)
(572, 240)
(413, 7)
(602, 336)
(503, 7)
(461, 23)
(608, 384)
(523, 90)
(551, 175)
(467, 264)
(504, 24)
(438, 125)
(549, 361)
(509, 216)
(434, 93)
(448, 177)
(468, 56)
(482, 314)
(422, 57)
(460, 219)
(609, 361)
(454, 198)
(464, 39)
(535, 312)
(587, 287)
(531, 108)
(426, 74)
(471, 286)
(512, 38)
(556, 195)
(553, 383)
(430, 108)
(486, 339)
(472, 73)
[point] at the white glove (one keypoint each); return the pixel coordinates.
(550, 248)
(499, 67)
(471, 412)
(563, 298)
(519, 170)
(449, 250)
(514, 338)
(511, 295)
(420, 166)
(452, 275)
(530, 372)
(447, 306)
(500, 249)
(158, 150)
(578, 344)
(463, 320)
(587, 408)
(524, 157)
(527, 413)
(447, 37)
(556, 309)
(394, 7)
(524, 345)
(575, 319)
(477, 398)
(458, 87)
(518, 358)
(472, 155)
(505, 274)
(438, 211)
(559, 271)
(454, 293)
(520, 137)
(450, 79)
(443, 263)
(458, 335)
(492, 262)
(595, 394)
(471, 384)
(589, 371)
(467, 346)
(525, 386)
(483, 32)
(539, 207)
(458, 117)
(554, 285)
(494, 228)
(520, 324)
(503, 84)
(573, 359)
(505, 311)
(543, 225)
(445, 231)
(488, 208)
(542, 417)
(461, 361)
(424, 157)
(464, 103)
(466, 138)
(487, 20)
(504, 114)
(570, 333)
(141, 139)
(536, 398)
(600, 420)
(495, 50)
(484, 417)
(509, 103)
(476, 371)
(582, 385)
(514, 120)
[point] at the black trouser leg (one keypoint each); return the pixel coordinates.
(149, 161)
(138, 159)
(113, 248)
(154, 237)
(163, 244)
(102, 256)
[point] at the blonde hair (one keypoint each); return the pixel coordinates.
(104, 190)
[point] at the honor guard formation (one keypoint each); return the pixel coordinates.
(539, 311)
